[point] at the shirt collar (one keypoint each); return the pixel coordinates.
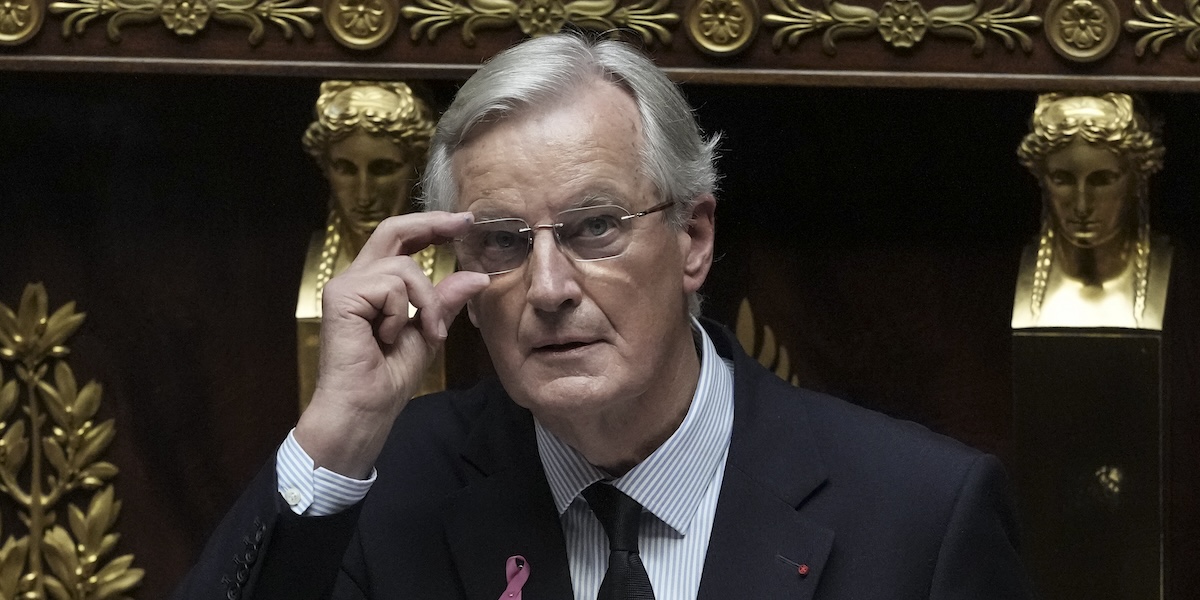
(672, 480)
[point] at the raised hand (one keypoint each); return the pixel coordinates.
(373, 355)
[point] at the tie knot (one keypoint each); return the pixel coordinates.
(618, 514)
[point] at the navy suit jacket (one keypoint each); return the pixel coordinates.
(873, 507)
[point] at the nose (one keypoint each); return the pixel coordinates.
(363, 189)
(1082, 204)
(552, 276)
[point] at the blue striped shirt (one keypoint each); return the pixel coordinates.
(678, 485)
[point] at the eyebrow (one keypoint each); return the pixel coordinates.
(587, 200)
(595, 199)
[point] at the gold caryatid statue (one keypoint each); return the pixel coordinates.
(1095, 263)
(370, 139)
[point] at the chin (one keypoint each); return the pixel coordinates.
(569, 395)
(364, 227)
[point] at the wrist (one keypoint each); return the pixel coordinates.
(343, 440)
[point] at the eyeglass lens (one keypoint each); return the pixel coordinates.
(497, 246)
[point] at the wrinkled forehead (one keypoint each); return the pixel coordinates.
(583, 150)
(547, 101)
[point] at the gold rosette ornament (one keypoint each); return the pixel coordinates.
(20, 20)
(1083, 30)
(722, 27)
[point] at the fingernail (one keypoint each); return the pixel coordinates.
(441, 330)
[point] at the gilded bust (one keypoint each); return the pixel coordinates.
(1095, 262)
(370, 139)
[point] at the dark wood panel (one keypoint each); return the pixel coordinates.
(876, 231)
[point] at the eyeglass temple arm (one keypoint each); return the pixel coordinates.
(651, 210)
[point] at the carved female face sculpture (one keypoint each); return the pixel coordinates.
(370, 180)
(1090, 194)
(1092, 156)
(370, 139)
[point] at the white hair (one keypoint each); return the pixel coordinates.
(543, 71)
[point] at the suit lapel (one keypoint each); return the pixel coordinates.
(506, 511)
(760, 541)
(761, 545)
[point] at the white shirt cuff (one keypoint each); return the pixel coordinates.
(315, 492)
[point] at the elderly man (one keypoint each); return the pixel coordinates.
(627, 450)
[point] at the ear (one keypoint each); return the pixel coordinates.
(696, 242)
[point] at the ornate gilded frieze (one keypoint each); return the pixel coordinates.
(1083, 30)
(188, 17)
(20, 20)
(649, 18)
(50, 449)
(902, 24)
(1157, 25)
(722, 27)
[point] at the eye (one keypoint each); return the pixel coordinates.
(344, 167)
(1105, 177)
(500, 240)
(597, 225)
(384, 167)
(1061, 178)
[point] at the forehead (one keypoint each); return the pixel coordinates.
(363, 145)
(585, 147)
(1082, 155)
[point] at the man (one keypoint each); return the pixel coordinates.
(584, 229)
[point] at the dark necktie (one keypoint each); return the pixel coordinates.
(626, 578)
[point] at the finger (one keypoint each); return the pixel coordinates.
(380, 293)
(426, 302)
(409, 292)
(456, 289)
(412, 232)
(393, 315)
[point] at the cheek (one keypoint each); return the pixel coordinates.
(498, 310)
(342, 189)
(1112, 205)
(1058, 195)
(393, 185)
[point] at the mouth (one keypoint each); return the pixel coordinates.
(561, 348)
(369, 216)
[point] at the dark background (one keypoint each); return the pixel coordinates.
(877, 232)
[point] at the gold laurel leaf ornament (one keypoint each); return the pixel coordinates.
(50, 453)
(764, 348)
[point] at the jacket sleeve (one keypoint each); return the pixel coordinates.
(978, 558)
(262, 550)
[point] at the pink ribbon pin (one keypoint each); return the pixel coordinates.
(517, 571)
